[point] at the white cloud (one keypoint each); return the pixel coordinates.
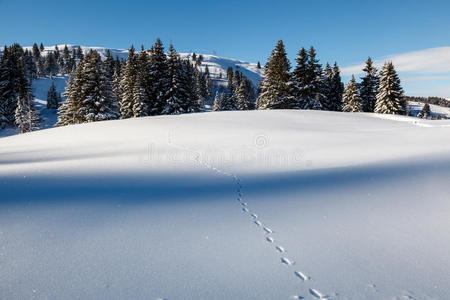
(427, 61)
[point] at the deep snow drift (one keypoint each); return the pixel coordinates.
(228, 205)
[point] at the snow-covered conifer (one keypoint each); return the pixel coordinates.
(158, 79)
(217, 102)
(351, 99)
(276, 88)
(53, 98)
(242, 96)
(176, 95)
(98, 101)
(127, 86)
(25, 117)
(390, 93)
(368, 87)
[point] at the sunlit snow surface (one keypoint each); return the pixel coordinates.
(228, 205)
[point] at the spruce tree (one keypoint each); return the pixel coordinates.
(189, 77)
(390, 93)
(50, 64)
(327, 87)
(97, 96)
(176, 95)
(242, 96)
(301, 84)
(217, 102)
(351, 99)
(53, 98)
(226, 102)
(13, 82)
(337, 89)
(68, 110)
(276, 89)
(127, 86)
(158, 79)
(368, 87)
(25, 117)
(36, 52)
(314, 96)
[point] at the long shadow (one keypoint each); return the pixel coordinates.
(149, 188)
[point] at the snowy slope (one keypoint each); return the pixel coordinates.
(217, 65)
(416, 107)
(228, 205)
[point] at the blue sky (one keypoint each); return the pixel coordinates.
(345, 31)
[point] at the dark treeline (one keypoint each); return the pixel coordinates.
(430, 100)
(150, 82)
(310, 86)
(18, 68)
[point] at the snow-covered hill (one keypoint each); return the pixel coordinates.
(217, 65)
(228, 205)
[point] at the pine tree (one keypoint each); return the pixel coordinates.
(53, 98)
(189, 77)
(217, 103)
(158, 78)
(127, 86)
(202, 89)
(13, 82)
(314, 97)
(226, 102)
(98, 102)
(242, 96)
(79, 53)
(25, 117)
(66, 58)
(369, 87)
(301, 84)
(51, 67)
(351, 99)
(36, 52)
(337, 89)
(41, 48)
(276, 89)
(68, 110)
(258, 65)
(390, 93)
(176, 94)
(109, 64)
(327, 87)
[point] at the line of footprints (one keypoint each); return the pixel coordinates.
(267, 230)
(315, 293)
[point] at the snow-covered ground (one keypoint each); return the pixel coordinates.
(436, 110)
(228, 205)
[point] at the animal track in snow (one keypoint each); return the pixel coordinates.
(301, 275)
(257, 222)
(268, 230)
(317, 294)
(280, 249)
(287, 261)
(238, 184)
